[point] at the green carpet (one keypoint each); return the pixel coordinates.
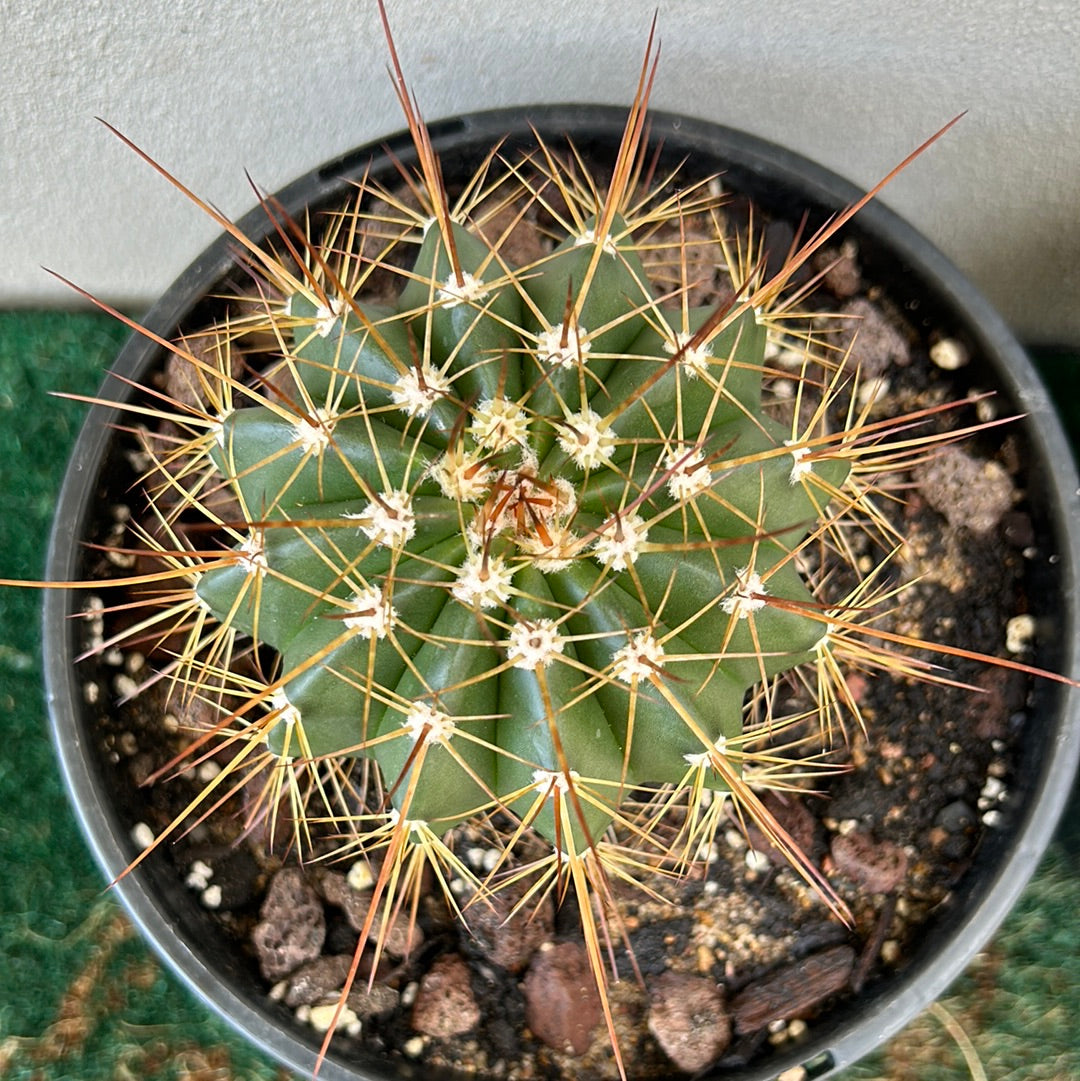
(84, 1000)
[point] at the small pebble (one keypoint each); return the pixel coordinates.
(1019, 634)
(949, 354)
(756, 861)
(735, 840)
(705, 960)
(199, 875)
(873, 390)
(207, 771)
(142, 835)
(360, 876)
(414, 1047)
(992, 792)
(322, 1017)
(125, 686)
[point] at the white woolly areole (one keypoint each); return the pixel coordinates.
(498, 423)
(556, 556)
(749, 595)
(462, 475)
(639, 658)
(565, 498)
(416, 392)
(552, 781)
(372, 615)
(417, 826)
(586, 438)
(696, 360)
(389, 520)
(691, 474)
(589, 237)
(326, 315)
(287, 713)
(801, 465)
(534, 645)
(252, 555)
(483, 580)
(704, 759)
(621, 541)
(468, 290)
(551, 350)
(217, 426)
(313, 435)
(440, 727)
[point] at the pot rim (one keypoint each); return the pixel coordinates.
(752, 162)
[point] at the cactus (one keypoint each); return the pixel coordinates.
(527, 536)
(544, 551)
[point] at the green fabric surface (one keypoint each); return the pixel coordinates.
(84, 999)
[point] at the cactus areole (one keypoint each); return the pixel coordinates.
(515, 525)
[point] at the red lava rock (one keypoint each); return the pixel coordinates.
(401, 940)
(317, 981)
(292, 926)
(445, 1004)
(840, 269)
(873, 340)
(562, 1004)
(880, 866)
(688, 1020)
(510, 943)
(792, 991)
(379, 999)
(321, 981)
(968, 491)
(791, 813)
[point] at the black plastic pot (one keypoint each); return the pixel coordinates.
(932, 293)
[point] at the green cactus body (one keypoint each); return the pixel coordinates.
(519, 534)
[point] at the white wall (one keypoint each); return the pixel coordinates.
(213, 88)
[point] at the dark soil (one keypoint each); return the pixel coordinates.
(741, 956)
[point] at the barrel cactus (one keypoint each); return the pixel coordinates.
(522, 532)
